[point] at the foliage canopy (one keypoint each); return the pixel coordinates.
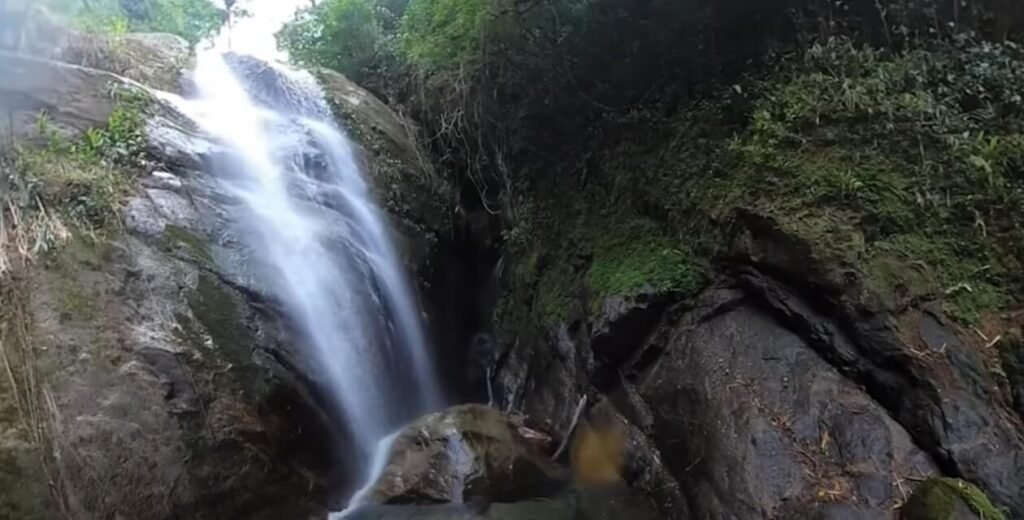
(193, 20)
(344, 35)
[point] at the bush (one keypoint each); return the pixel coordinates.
(193, 20)
(452, 35)
(343, 35)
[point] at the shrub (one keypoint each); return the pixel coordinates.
(344, 35)
(452, 35)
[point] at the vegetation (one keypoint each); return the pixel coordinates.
(52, 190)
(193, 20)
(614, 141)
(343, 35)
(937, 499)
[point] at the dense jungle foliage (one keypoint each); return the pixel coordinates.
(194, 20)
(612, 141)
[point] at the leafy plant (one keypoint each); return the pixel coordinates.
(344, 35)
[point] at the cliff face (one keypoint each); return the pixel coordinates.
(767, 286)
(145, 377)
(800, 297)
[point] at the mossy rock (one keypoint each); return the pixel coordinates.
(950, 499)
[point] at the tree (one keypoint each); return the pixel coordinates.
(344, 35)
(193, 20)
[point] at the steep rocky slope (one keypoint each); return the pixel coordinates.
(145, 376)
(770, 288)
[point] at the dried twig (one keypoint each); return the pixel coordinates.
(572, 427)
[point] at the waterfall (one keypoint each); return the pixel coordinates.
(317, 243)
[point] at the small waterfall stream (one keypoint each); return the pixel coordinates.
(319, 245)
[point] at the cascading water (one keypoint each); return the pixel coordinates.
(317, 243)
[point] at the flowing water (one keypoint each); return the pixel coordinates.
(318, 244)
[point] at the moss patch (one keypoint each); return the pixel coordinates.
(902, 190)
(177, 238)
(586, 257)
(217, 310)
(937, 499)
(221, 342)
(79, 281)
(637, 256)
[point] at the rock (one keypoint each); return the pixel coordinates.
(466, 454)
(1012, 359)
(911, 361)
(74, 98)
(170, 392)
(752, 422)
(278, 88)
(172, 388)
(620, 327)
(778, 397)
(153, 59)
(949, 499)
(407, 185)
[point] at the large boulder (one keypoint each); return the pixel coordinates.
(770, 396)
(40, 95)
(474, 462)
(154, 59)
(147, 380)
(466, 454)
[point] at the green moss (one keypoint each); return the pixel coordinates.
(867, 157)
(220, 341)
(899, 192)
(217, 310)
(178, 238)
(937, 498)
(598, 256)
(935, 265)
(638, 256)
(78, 277)
(556, 291)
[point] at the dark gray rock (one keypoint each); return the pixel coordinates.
(751, 420)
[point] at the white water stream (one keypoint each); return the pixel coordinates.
(319, 245)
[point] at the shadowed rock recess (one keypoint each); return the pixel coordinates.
(736, 345)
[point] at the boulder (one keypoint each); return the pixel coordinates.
(777, 394)
(149, 381)
(73, 98)
(153, 59)
(466, 454)
(156, 60)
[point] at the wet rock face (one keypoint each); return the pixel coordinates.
(170, 387)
